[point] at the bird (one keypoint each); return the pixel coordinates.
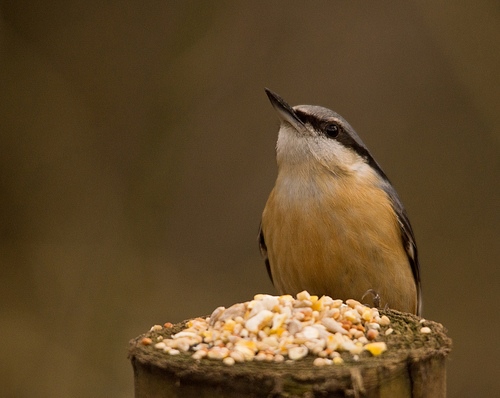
(333, 223)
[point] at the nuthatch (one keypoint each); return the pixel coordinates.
(333, 223)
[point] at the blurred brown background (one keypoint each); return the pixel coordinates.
(137, 152)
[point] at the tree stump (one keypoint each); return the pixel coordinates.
(412, 366)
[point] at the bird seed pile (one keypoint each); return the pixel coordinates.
(281, 328)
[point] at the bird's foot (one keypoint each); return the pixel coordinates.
(375, 295)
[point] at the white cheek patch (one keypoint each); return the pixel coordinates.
(308, 147)
(334, 155)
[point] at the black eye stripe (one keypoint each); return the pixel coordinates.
(333, 126)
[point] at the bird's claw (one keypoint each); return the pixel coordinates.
(376, 297)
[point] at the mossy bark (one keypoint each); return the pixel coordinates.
(413, 366)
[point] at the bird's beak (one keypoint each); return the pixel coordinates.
(285, 111)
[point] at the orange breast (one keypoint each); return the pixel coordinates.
(339, 239)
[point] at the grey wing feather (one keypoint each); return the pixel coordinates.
(408, 241)
(263, 251)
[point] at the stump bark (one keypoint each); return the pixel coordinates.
(413, 366)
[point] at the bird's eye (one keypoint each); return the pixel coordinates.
(332, 130)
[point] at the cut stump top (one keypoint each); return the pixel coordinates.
(412, 366)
